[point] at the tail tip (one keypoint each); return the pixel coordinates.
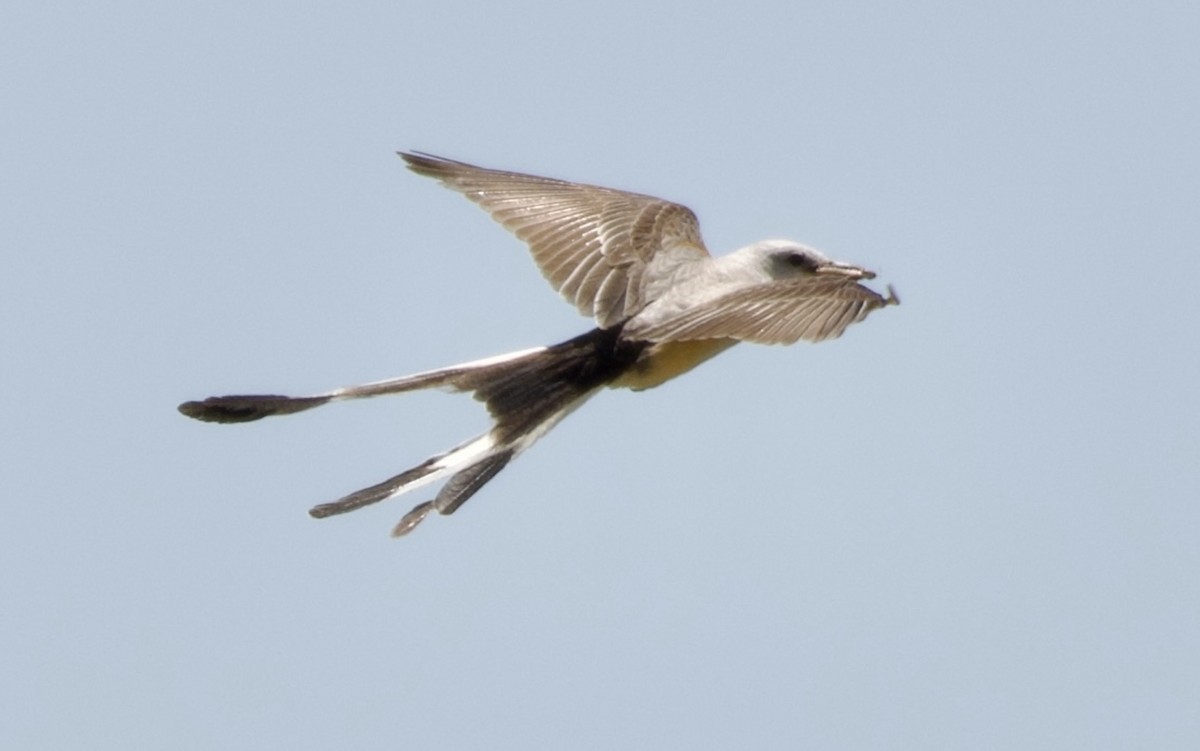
(325, 510)
(247, 408)
(412, 519)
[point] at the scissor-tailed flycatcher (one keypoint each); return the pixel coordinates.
(635, 264)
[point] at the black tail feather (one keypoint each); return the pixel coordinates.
(468, 481)
(454, 493)
(375, 493)
(523, 393)
(248, 408)
(412, 519)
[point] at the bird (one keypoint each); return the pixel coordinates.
(637, 266)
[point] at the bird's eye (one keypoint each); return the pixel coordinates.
(801, 261)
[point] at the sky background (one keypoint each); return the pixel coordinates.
(972, 522)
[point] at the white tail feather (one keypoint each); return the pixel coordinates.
(431, 470)
(441, 378)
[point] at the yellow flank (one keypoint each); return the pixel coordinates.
(664, 361)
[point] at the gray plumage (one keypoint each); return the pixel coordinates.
(634, 263)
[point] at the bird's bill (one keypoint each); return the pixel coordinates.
(846, 269)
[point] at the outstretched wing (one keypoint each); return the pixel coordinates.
(599, 248)
(777, 312)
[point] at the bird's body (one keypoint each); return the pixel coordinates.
(669, 360)
(634, 263)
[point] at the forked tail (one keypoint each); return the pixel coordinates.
(526, 392)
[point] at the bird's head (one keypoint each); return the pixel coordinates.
(785, 259)
(790, 259)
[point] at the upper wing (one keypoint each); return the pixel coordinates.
(777, 312)
(592, 244)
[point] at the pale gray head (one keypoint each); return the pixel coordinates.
(786, 259)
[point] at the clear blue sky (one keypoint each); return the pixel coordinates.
(971, 522)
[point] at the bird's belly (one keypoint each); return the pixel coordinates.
(666, 360)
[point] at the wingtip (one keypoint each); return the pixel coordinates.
(424, 164)
(416, 156)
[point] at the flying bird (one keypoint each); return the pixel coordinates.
(636, 265)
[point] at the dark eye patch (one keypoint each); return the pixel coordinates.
(801, 261)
